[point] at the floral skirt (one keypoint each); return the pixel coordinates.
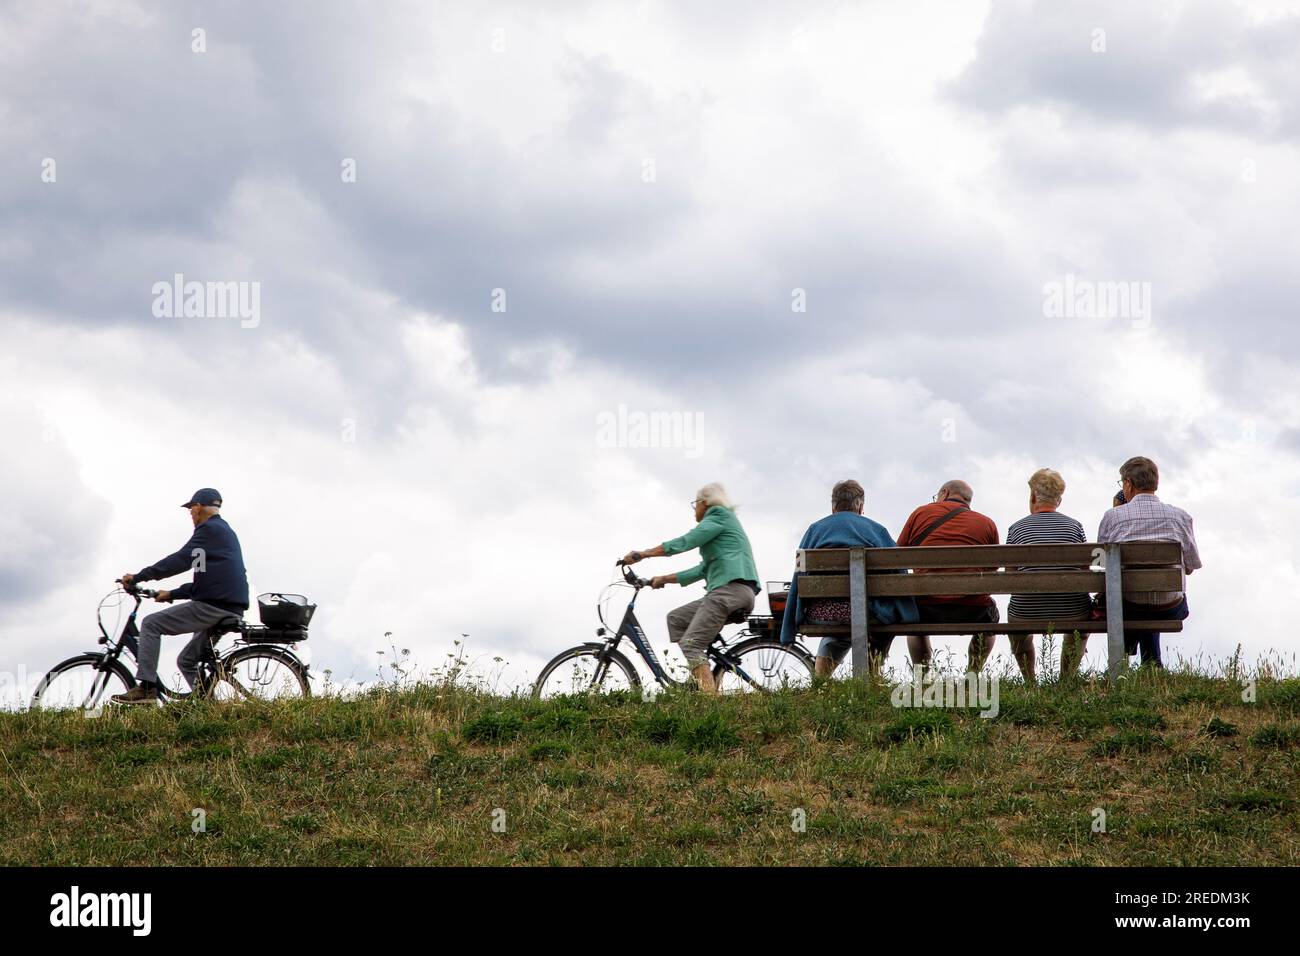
(827, 611)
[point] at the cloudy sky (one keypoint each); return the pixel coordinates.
(825, 234)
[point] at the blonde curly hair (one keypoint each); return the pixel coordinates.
(1047, 486)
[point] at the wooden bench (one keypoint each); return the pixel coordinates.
(863, 573)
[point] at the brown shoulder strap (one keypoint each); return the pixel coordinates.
(934, 524)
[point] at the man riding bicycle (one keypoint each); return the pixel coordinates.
(730, 578)
(219, 591)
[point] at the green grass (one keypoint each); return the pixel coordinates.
(1187, 773)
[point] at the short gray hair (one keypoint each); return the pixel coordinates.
(714, 494)
(1142, 472)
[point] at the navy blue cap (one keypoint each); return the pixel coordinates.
(204, 496)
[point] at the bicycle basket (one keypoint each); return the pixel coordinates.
(284, 610)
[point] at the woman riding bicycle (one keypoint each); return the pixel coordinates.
(730, 578)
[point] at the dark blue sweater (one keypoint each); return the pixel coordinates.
(847, 529)
(218, 564)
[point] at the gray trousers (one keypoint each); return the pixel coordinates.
(189, 617)
(695, 625)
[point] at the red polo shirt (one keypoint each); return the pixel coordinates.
(970, 527)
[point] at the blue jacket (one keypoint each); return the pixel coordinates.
(218, 565)
(846, 529)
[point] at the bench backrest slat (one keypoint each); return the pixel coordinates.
(990, 582)
(1133, 554)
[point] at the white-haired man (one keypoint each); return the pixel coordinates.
(727, 567)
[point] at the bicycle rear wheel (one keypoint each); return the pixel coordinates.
(580, 670)
(84, 682)
(260, 672)
(764, 664)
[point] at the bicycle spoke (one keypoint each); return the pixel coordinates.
(79, 685)
(239, 688)
(762, 666)
(96, 690)
(581, 671)
(742, 675)
(258, 676)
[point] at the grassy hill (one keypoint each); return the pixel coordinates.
(1185, 771)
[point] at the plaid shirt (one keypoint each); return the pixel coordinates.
(1147, 518)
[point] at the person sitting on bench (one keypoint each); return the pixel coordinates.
(1045, 525)
(1141, 516)
(844, 527)
(949, 520)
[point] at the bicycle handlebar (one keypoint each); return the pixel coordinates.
(630, 577)
(136, 589)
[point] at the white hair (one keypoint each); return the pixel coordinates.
(714, 494)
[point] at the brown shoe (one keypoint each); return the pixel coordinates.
(137, 695)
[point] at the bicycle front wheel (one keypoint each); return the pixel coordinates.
(764, 664)
(84, 682)
(261, 672)
(581, 670)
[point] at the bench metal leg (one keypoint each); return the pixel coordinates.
(1117, 660)
(858, 611)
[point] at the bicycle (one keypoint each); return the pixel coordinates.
(602, 667)
(257, 667)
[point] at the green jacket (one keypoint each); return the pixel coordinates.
(723, 546)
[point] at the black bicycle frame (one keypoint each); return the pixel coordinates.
(128, 639)
(630, 628)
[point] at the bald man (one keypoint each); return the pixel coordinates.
(949, 520)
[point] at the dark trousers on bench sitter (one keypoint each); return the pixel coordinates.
(837, 648)
(1148, 642)
(955, 612)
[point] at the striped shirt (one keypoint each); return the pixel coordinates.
(1048, 527)
(1147, 518)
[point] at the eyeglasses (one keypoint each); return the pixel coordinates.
(695, 501)
(935, 497)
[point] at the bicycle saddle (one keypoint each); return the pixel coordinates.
(227, 625)
(737, 617)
